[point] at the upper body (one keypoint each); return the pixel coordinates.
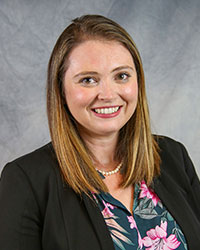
(39, 211)
(99, 123)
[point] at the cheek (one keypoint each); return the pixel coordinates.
(76, 97)
(131, 92)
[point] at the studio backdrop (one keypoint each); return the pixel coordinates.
(166, 33)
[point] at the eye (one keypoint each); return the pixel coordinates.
(123, 77)
(88, 81)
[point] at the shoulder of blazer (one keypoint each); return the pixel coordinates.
(175, 161)
(42, 159)
(39, 169)
(178, 172)
(38, 164)
(177, 166)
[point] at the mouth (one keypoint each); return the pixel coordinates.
(107, 110)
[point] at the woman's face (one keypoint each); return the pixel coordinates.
(100, 87)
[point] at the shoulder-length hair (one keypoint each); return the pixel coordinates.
(136, 148)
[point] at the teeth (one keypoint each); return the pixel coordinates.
(106, 110)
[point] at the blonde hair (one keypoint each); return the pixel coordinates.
(136, 148)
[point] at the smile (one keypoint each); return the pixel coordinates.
(107, 110)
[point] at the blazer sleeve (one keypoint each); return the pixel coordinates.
(20, 224)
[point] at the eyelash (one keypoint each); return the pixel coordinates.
(86, 80)
(119, 76)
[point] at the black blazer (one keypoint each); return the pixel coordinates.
(39, 211)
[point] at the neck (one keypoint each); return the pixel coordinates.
(103, 149)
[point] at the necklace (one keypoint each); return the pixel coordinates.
(107, 173)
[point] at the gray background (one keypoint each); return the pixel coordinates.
(166, 32)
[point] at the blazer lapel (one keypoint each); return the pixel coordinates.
(99, 224)
(84, 225)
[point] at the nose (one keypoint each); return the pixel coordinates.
(107, 90)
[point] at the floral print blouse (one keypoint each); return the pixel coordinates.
(150, 227)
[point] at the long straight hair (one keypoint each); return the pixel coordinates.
(136, 147)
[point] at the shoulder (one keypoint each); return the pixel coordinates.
(168, 144)
(176, 163)
(35, 170)
(171, 151)
(42, 155)
(33, 175)
(175, 160)
(41, 160)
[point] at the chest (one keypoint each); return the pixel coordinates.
(124, 195)
(148, 224)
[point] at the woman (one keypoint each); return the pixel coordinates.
(105, 182)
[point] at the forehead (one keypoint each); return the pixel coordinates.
(99, 53)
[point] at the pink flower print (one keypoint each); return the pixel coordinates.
(106, 212)
(157, 239)
(147, 192)
(110, 205)
(134, 225)
(132, 222)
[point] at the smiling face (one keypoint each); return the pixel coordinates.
(100, 87)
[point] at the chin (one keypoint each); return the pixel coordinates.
(107, 131)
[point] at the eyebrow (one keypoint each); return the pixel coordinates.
(122, 67)
(86, 73)
(95, 73)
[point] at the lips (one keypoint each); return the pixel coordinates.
(107, 112)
